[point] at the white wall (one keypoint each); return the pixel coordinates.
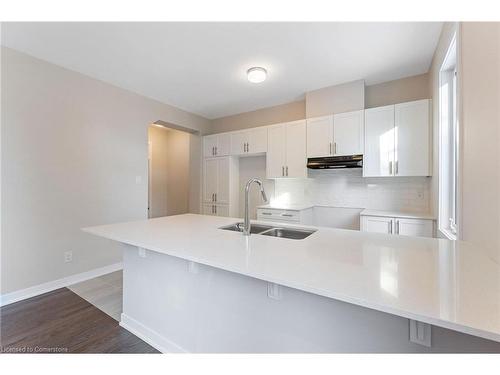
(480, 88)
(72, 148)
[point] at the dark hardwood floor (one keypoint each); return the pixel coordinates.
(63, 322)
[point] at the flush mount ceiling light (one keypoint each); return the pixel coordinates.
(256, 74)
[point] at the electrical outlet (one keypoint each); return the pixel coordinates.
(274, 291)
(420, 195)
(142, 252)
(68, 256)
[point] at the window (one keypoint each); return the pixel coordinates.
(448, 145)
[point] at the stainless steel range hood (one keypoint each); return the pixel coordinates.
(335, 162)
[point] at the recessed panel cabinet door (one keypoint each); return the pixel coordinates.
(319, 136)
(238, 143)
(414, 227)
(257, 140)
(378, 157)
(210, 179)
(412, 126)
(348, 133)
(223, 144)
(223, 182)
(296, 154)
(275, 158)
(208, 209)
(377, 224)
(209, 144)
(222, 210)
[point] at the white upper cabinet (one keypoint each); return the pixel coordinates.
(348, 133)
(397, 140)
(320, 136)
(412, 124)
(378, 158)
(276, 151)
(296, 159)
(216, 145)
(248, 142)
(286, 153)
(340, 134)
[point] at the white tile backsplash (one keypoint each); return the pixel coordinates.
(347, 188)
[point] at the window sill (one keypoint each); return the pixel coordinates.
(445, 233)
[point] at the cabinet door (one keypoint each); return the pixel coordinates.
(414, 227)
(223, 175)
(319, 136)
(222, 210)
(209, 144)
(208, 209)
(412, 122)
(210, 171)
(378, 159)
(223, 144)
(238, 141)
(377, 224)
(275, 158)
(296, 155)
(348, 133)
(257, 140)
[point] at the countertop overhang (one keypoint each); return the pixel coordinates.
(451, 284)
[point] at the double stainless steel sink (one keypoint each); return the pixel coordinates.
(273, 231)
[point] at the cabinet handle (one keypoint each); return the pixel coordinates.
(215, 207)
(335, 148)
(282, 171)
(397, 226)
(216, 197)
(390, 168)
(287, 215)
(396, 167)
(287, 170)
(330, 148)
(391, 225)
(266, 213)
(212, 208)
(213, 197)
(248, 147)
(244, 147)
(215, 150)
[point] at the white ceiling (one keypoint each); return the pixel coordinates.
(201, 67)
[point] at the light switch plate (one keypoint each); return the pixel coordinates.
(274, 291)
(193, 267)
(420, 333)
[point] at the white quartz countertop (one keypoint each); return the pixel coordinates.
(402, 214)
(449, 284)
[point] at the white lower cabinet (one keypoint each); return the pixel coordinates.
(303, 216)
(220, 186)
(397, 225)
(216, 210)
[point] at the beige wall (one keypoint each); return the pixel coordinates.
(158, 171)
(178, 183)
(271, 115)
(398, 91)
(72, 148)
(346, 97)
(480, 65)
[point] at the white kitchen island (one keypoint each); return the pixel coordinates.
(190, 286)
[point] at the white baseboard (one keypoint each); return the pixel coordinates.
(148, 335)
(19, 295)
